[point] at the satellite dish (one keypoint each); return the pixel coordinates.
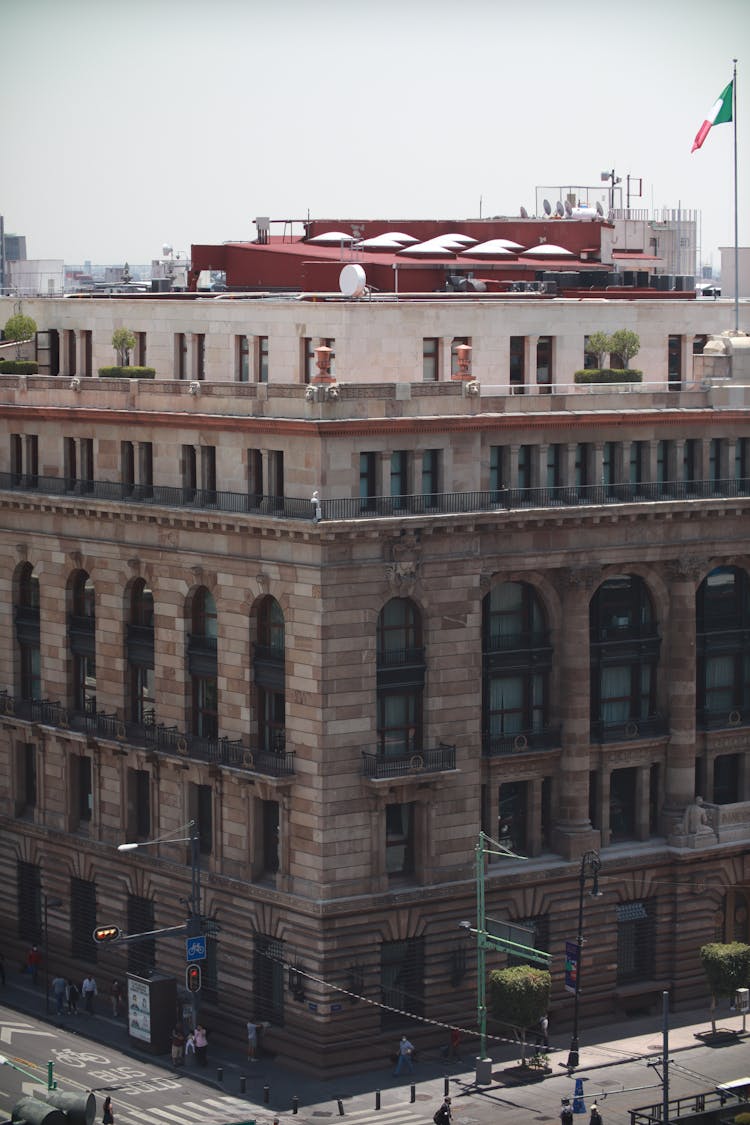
(568, 209)
(559, 209)
(599, 210)
(524, 213)
(547, 207)
(610, 216)
(353, 281)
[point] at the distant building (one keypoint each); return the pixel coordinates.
(728, 272)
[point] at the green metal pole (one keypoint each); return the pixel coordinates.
(481, 952)
(51, 1084)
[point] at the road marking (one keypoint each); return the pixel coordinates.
(11, 1029)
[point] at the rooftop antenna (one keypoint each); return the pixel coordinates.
(353, 281)
(524, 213)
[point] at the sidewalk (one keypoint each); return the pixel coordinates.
(272, 1084)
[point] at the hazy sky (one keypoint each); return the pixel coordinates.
(130, 123)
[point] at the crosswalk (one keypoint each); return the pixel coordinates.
(227, 1110)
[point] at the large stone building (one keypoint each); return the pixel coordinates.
(514, 604)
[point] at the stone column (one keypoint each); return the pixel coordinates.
(642, 802)
(651, 461)
(534, 816)
(511, 480)
(445, 358)
(572, 833)
(529, 360)
(679, 661)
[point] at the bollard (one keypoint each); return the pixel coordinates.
(446, 1087)
(340, 1104)
(220, 1074)
(412, 1093)
(266, 1094)
(295, 1104)
(377, 1099)
(243, 1083)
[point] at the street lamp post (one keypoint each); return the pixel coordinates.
(54, 903)
(195, 917)
(590, 868)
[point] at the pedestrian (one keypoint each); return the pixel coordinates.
(596, 1117)
(566, 1113)
(252, 1041)
(443, 1115)
(454, 1042)
(115, 993)
(88, 991)
(33, 961)
(404, 1056)
(201, 1045)
(58, 991)
(190, 1045)
(108, 1114)
(178, 1045)
(72, 994)
(544, 1031)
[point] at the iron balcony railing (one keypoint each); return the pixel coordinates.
(521, 742)
(379, 765)
(720, 718)
(149, 734)
(444, 503)
(630, 729)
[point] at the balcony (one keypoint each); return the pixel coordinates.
(376, 765)
(378, 507)
(629, 730)
(220, 751)
(722, 718)
(521, 742)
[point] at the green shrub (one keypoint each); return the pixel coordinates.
(127, 372)
(19, 367)
(608, 375)
(742, 1119)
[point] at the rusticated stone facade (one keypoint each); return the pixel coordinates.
(340, 775)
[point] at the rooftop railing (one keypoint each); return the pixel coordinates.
(376, 507)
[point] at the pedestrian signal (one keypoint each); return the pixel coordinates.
(107, 933)
(193, 978)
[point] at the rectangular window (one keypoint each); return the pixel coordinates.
(401, 980)
(189, 469)
(29, 888)
(16, 458)
(609, 465)
(690, 461)
(70, 463)
(262, 345)
(554, 463)
(517, 364)
(208, 473)
(635, 941)
(83, 920)
(127, 467)
(141, 954)
(276, 477)
(270, 844)
(268, 979)
(254, 477)
(87, 350)
(199, 343)
(146, 469)
(242, 359)
(180, 355)
(524, 466)
(431, 483)
(367, 488)
(399, 476)
(308, 359)
(637, 462)
(512, 816)
(81, 791)
(583, 465)
(399, 839)
(496, 471)
(201, 811)
(87, 464)
(141, 349)
(26, 778)
(674, 362)
(714, 460)
(622, 804)
(544, 364)
(431, 359)
(139, 805)
(742, 459)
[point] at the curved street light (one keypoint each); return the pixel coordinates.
(590, 868)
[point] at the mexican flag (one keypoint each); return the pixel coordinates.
(719, 112)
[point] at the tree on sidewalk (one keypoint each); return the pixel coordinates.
(727, 968)
(519, 996)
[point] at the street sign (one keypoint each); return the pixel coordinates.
(571, 965)
(195, 948)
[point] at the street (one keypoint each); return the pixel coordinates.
(152, 1093)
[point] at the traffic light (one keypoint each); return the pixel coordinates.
(193, 978)
(107, 933)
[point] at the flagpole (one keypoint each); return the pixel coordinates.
(736, 220)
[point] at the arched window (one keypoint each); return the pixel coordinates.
(140, 654)
(516, 662)
(27, 633)
(723, 643)
(269, 672)
(400, 678)
(202, 663)
(624, 656)
(82, 641)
